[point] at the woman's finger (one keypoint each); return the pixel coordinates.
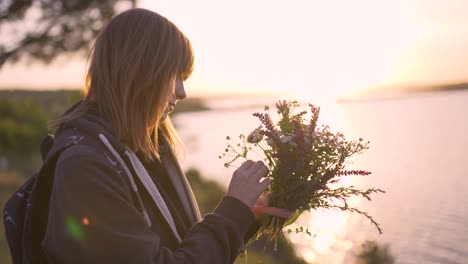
(256, 166)
(246, 165)
(274, 211)
(259, 174)
(262, 201)
(263, 184)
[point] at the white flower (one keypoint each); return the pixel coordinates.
(286, 139)
(270, 141)
(255, 136)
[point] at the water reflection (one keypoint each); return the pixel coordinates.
(329, 230)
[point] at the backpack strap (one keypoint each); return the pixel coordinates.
(46, 145)
(36, 218)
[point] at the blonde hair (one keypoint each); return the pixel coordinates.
(134, 62)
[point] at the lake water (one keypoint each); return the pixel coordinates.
(418, 154)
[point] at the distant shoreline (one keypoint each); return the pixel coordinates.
(401, 93)
(56, 101)
(201, 102)
(438, 88)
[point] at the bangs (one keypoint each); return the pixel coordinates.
(180, 52)
(185, 68)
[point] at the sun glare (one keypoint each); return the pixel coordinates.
(307, 48)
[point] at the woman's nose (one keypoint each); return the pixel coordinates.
(180, 89)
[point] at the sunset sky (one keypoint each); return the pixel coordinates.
(303, 47)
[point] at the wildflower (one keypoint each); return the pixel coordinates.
(255, 136)
(305, 161)
(270, 141)
(286, 139)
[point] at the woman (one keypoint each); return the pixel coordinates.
(119, 195)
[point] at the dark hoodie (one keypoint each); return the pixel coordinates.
(95, 217)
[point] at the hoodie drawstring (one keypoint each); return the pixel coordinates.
(129, 175)
(153, 191)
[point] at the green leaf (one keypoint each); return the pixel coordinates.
(293, 218)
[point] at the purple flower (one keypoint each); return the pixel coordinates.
(270, 130)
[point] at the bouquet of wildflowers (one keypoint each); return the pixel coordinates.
(305, 161)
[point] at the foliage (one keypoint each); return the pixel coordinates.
(52, 102)
(22, 126)
(60, 26)
(208, 193)
(306, 161)
(373, 253)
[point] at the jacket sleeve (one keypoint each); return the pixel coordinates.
(92, 219)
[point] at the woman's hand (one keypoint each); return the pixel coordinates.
(261, 208)
(245, 182)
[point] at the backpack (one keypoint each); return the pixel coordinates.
(26, 212)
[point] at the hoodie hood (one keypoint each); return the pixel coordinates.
(89, 124)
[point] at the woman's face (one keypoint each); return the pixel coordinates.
(178, 93)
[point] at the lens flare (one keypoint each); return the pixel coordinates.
(74, 229)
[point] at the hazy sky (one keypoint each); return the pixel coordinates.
(306, 47)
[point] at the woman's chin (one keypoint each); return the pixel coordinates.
(163, 117)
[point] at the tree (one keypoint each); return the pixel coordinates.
(43, 29)
(22, 127)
